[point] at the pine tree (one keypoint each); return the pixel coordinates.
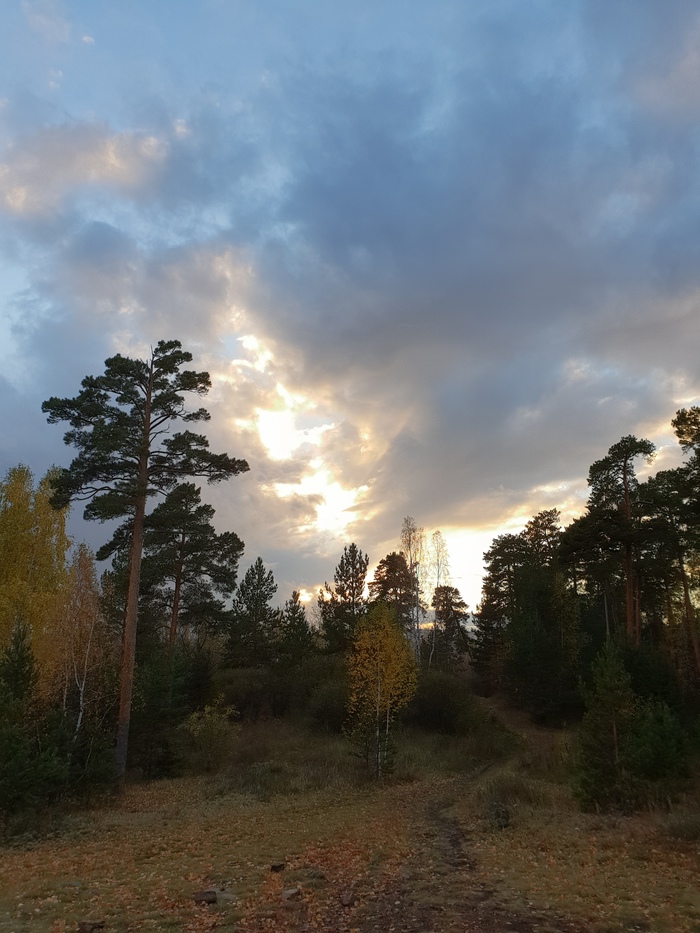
(294, 641)
(253, 619)
(394, 585)
(341, 606)
(610, 709)
(119, 424)
(450, 640)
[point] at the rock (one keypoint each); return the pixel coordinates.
(225, 897)
(291, 894)
(88, 926)
(205, 897)
(498, 815)
(347, 899)
(278, 866)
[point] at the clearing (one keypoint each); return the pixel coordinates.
(428, 855)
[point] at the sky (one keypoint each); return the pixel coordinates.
(437, 257)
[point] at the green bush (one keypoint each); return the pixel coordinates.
(32, 771)
(211, 732)
(327, 707)
(655, 749)
(442, 703)
(31, 774)
(631, 750)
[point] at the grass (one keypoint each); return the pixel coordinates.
(137, 864)
(614, 874)
(285, 795)
(289, 795)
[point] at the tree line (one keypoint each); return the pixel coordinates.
(597, 619)
(71, 662)
(592, 623)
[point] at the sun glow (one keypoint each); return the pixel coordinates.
(466, 549)
(334, 507)
(253, 345)
(280, 434)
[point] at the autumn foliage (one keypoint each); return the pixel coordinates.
(382, 673)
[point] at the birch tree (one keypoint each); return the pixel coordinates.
(382, 673)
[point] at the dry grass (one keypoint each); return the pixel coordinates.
(137, 864)
(612, 873)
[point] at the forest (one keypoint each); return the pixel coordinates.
(158, 657)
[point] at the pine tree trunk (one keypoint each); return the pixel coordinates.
(128, 660)
(629, 596)
(175, 611)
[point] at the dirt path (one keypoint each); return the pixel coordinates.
(437, 889)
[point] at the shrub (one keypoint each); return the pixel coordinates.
(630, 749)
(442, 703)
(655, 748)
(248, 689)
(211, 732)
(29, 774)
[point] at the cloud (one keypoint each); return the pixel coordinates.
(464, 268)
(39, 172)
(48, 19)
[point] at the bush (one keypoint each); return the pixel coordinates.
(442, 703)
(32, 772)
(211, 733)
(328, 706)
(655, 749)
(29, 775)
(630, 750)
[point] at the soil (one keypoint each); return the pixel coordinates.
(437, 889)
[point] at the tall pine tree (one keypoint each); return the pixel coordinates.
(119, 424)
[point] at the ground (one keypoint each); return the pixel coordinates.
(485, 850)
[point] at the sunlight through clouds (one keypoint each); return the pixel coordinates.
(420, 286)
(334, 511)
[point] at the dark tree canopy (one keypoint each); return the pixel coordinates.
(449, 640)
(188, 568)
(395, 585)
(253, 618)
(294, 640)
(342, 605)
(120, 427)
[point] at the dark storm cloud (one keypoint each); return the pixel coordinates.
(471, 240)
(444, 269)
